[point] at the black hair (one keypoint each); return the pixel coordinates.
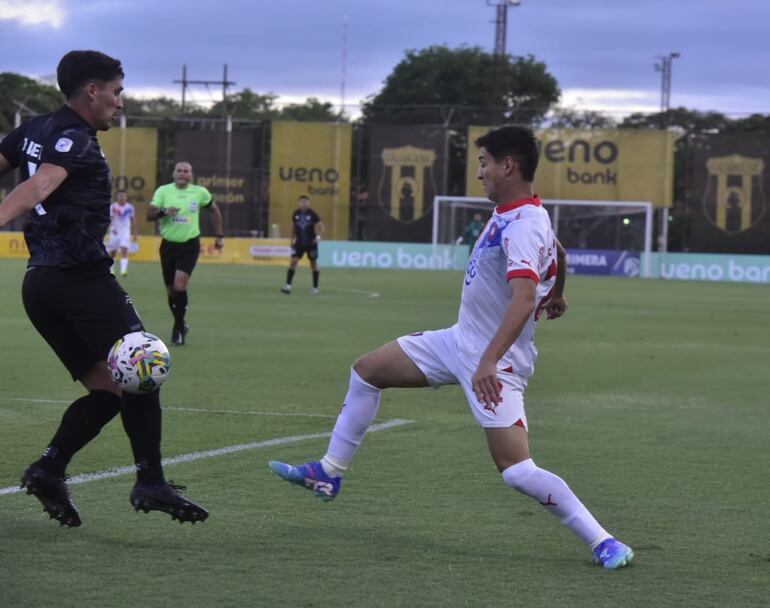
(515, 141)
(305, 196)
(77, 68)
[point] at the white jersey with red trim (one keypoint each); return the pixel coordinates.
(120, 217)
(518, 241)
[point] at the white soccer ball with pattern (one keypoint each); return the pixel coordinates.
(139, 362)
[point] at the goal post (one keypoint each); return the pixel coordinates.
(579, 224)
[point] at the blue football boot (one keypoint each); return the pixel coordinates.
(310, 476)
(612, 554)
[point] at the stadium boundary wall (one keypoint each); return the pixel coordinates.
(411, 256)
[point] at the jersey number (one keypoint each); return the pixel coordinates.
(32, 167)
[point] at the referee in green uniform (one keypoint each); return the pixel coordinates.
(176, 206)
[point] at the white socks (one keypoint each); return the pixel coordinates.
(123, 265)
(358, 411)
(555, 495)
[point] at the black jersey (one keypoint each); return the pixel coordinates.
(304, 226)
(67, 229)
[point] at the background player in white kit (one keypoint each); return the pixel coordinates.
(516, 271)
(122, 230)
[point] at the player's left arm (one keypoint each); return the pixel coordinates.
(521, 307)
(29, 193)
(319, 230)
(216, 222)
(557, 304)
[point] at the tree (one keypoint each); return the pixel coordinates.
(756, 123)
(682, 120)
(312, 110)
(248, 105)
(155, 107)
(31, 96)
(568, 118)
(463, 86)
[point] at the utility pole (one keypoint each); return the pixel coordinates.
(185, 83)
(501, 22)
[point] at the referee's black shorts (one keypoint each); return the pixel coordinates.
(178, 256)
(81, 312)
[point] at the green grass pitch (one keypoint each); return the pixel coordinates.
(650, 398)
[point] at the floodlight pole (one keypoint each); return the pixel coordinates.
(663, 65)
(501, 22)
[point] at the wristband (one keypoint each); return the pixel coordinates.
(317, 238)
(161, 213)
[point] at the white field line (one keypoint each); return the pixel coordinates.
(186, 409)
(368, 294)
(25, 400)
(248, 413)
(119, 471)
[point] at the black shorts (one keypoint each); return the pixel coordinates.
(299, 249)
(178, 256)
(81, 312)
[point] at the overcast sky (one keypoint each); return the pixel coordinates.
(600, 51)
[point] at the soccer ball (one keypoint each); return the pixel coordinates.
(139, 362)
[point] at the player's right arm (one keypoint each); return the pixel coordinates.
(5, 166)
(522, 305)
(29, 193)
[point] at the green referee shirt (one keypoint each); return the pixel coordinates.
(185, 225)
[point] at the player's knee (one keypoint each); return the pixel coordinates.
(365, 369)
(515, 476)
(151, 399)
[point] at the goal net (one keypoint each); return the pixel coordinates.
(623, 228)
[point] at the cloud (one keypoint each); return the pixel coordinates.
(33, 12)
(611, 101)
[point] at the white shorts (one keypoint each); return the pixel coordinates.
(119, 240)
(437, 356)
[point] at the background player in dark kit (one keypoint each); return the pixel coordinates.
(306, 232)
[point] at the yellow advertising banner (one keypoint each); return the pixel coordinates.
(607, 164)
(311, 159)
(274, 252)
(133, 156)
(13, 245)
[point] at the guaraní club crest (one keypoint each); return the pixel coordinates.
(407, 185)
(734, 199)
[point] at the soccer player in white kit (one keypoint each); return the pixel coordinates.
(515, 273)
(122, 230)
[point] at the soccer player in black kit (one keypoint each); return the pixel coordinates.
(69, 294)
(306, 232)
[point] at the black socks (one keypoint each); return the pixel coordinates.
(82, 421)
(177, 302)
(141, 417)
